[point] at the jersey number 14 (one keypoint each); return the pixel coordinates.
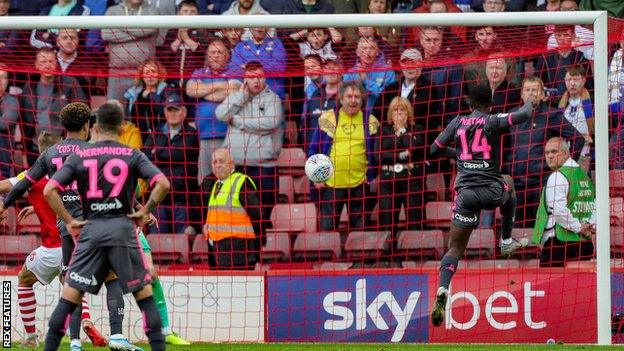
(479, 144)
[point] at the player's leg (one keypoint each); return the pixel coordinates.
(27, 305)
(465, 219)
(508, 244)
(115, 304)
(159, 296)
(151, 318)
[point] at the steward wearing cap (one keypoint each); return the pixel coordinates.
(174, 148)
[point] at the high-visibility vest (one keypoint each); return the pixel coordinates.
(226, 216)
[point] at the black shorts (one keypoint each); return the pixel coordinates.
(95, 256)
(67, 248)
(469, 202)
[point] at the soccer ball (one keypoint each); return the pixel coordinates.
(319, 168)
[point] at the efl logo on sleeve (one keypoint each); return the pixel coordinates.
(6, 314)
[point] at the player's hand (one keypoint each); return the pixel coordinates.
(74, 227)
(586, 231)
(150, 220)
(25, 212)
(319, 186)
(139, 216)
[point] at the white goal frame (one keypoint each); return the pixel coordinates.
(598, 19)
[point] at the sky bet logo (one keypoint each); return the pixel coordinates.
(361, 308)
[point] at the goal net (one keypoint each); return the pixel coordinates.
(356, 259)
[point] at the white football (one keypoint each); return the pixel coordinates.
(319, 168)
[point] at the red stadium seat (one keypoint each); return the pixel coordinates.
(291, 161)
(277, 247)
(28, 225)
(436, 187)
(294, 218)
(617, 241)
(481, 244)
(333, 266)
(171, 248)
(314, 246)
(286, 189)
(588, 264)
(421, 243)
(616, 182)
(367, 244)
(15, 248)
(438, 214)
(199, 252)
(616, 211)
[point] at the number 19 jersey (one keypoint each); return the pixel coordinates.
(477, 141)
(107, 173)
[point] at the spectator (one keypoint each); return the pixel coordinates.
(392, 35)
(233, 223)
(9, 39)
(29, 7)
(347, 7)
(248, 7)
(346, 135)
(184, 49)
(616, 73)
(40, 38)
(585, 36)
(213, 7)
(94, 43)
(146, 99)
(576, 103)
(9, 112)
(507, 5)
(43, 97)
(446, 78)
(371, 34)
(269, 52)
(232, 36)
(293, 7)
(71, 61)
(128, 48)
(165, 7)
(211, 85)
(505, 94)
(615, 8)
(402, 151)
(255, 131)
(371, 70)
(474, 69)
(458, 31)
(550, 5)
(313, 69)
(527, 146)
(175, 149)
(551, 67)
(318, 41)
(566, 215)
(421, 94)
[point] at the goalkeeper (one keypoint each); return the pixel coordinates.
(479, 184)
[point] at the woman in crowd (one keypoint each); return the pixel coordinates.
(401, 147)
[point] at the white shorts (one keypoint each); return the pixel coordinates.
(45, 263)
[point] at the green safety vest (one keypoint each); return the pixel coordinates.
(581, 196)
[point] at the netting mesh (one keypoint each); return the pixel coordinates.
(271, 98)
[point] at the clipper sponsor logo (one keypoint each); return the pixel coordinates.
(6, 314)
(70, 198)
(82, 280)
(465, 219)
(97, 206)
(476, 165)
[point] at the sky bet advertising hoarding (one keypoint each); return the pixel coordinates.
(489, 307)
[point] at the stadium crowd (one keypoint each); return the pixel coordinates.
(260, 92)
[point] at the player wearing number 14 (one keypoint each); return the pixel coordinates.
(479, 184)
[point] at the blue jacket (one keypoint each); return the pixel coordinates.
(271, 54)
(380, 76)
(323, 138)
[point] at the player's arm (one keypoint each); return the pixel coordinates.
(26, 180)
(52, 192)
(440, 145)
(519, 116)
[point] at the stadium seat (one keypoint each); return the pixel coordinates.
(492, 264)
(170, 248)
(587, 264)
(28, 225)
(421, 243)
(433, 264)
(531, 250)
(286, 189)
(616, 211)
(291, 161)
(438, 214)
(616, 182)
(435, 187)
(617, 241)
(15, 248)
(316, 246)
(534, 263)
(199, 252)
(333, 266)
(277, 247)
(481, 244)
(367, 244)
(294, 218)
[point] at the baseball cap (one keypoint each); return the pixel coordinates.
(412, 55)
(174, 100)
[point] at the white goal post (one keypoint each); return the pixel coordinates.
(598, 19)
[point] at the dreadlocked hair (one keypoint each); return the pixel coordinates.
(74, 116)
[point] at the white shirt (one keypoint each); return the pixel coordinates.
(616, 76)
(406, 89)
(557, 189)
(576, 116)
